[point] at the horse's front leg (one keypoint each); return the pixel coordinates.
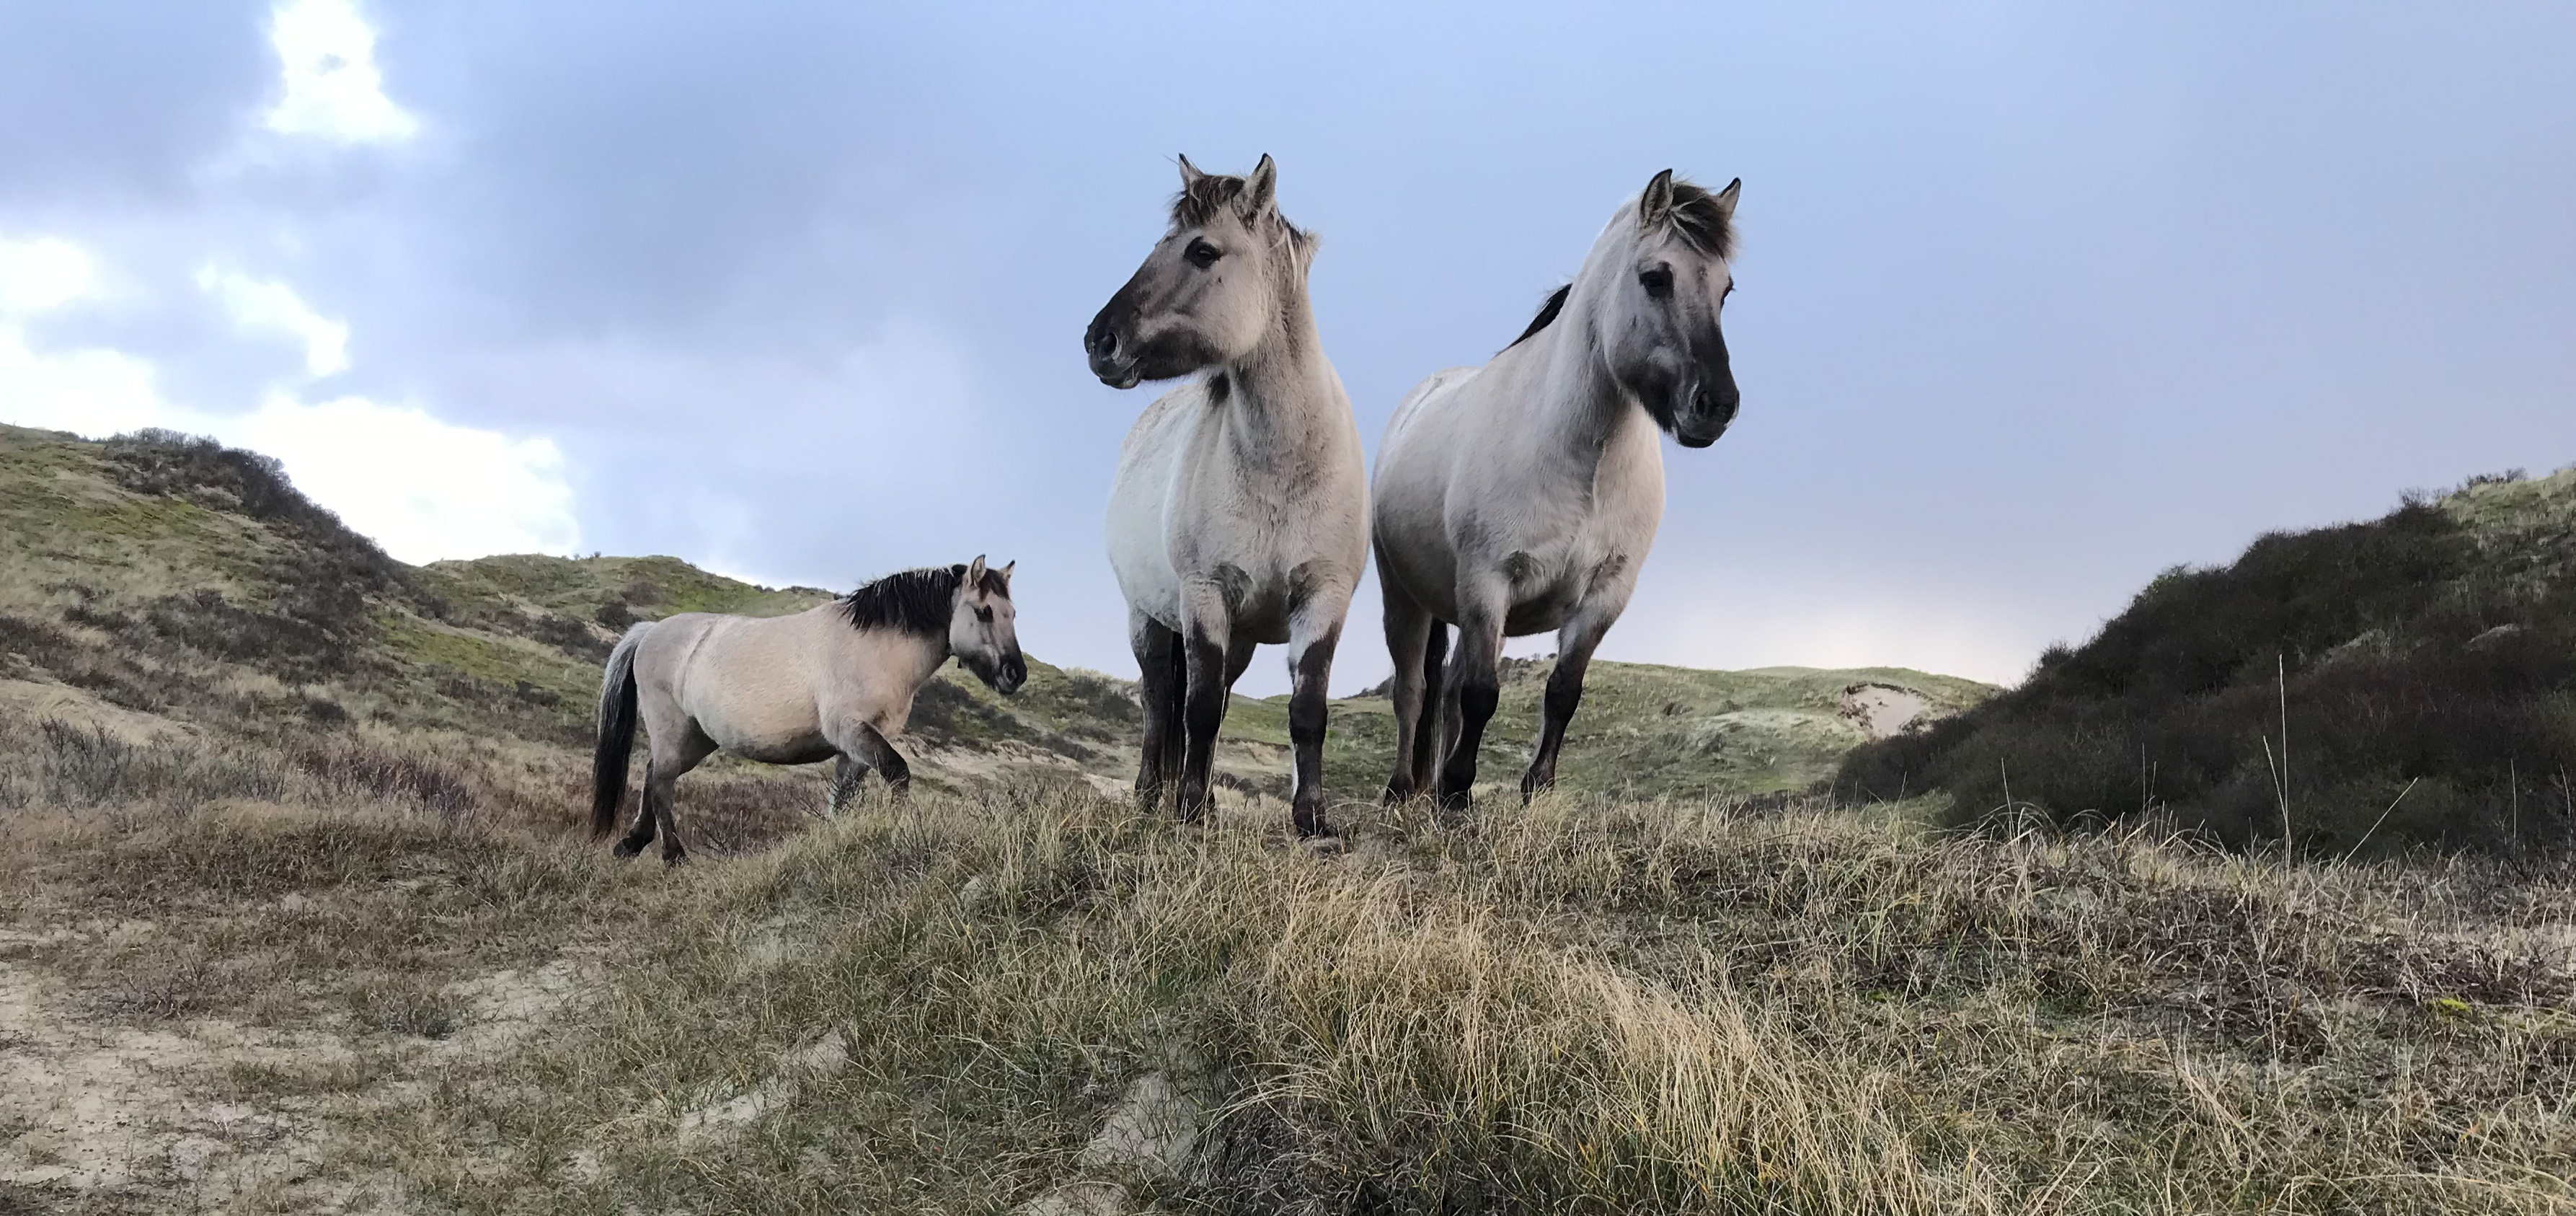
(1575, 643)
(1160, 682)
(864, 744)
(846, 776)
(1473, 689)
(1313, 632)
(1207, 630)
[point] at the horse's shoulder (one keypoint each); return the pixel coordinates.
(1158, 416)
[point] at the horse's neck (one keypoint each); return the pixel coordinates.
(926, 655)
(1574, 403)
(1279, 399)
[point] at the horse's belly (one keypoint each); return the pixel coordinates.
(805, 750)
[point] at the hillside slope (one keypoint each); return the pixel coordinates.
(175, 578)
(2413, 676)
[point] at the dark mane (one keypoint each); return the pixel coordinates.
(914, 601)
(1546, 313)
(1201, 200)
(1700, 222)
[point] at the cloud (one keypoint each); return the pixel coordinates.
(333, 89)
(43, 274)
(423, 488)
(272, 305)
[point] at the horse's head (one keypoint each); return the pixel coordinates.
(1658, 319)
(982, 632)
(1210, 290)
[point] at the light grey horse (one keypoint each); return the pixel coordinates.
(1522, 496)
(835, 680)
(1240, 511)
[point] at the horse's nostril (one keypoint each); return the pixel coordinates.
(1105, 343)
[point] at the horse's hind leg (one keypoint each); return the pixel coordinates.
(1161, 682)
(641, 833)
(1408, 638)
(661, 783)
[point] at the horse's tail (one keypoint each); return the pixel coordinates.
(1426, 727)
(616, 732)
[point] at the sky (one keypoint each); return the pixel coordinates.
(2035, 300)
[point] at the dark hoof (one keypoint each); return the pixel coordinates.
(672, 857)
(626, 848)
(1397, 793)
(1456, 800)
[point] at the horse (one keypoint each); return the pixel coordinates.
(1521, 496)
(834, 680)
(1239, 515)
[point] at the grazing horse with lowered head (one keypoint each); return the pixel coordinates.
(834, 680)
(1521, 496)
(1240, 511)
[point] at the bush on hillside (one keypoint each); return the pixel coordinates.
(323, 581)
(2430, 693)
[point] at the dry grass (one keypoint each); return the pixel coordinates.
(1569, 1008)
(1576, 1009)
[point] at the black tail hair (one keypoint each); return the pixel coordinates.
(616, 734)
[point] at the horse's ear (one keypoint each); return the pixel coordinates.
(1006, 572)
(975, 573)
(1259, 188)
(1190, 174)
(1656, 204)
(1726, 198)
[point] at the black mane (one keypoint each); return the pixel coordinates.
(914, 601)
(1546, 313)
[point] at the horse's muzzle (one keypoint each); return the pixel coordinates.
(1111, 359)
(1707, 410)
(1014, 673)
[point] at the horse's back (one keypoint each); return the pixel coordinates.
(1435, 387)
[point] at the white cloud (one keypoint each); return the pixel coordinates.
(333, 89)
(42, 274)
(422, 488)
(272, 305)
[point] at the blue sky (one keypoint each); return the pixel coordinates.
(2035, 300)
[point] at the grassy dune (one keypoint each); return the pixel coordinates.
(381, 971)
(296, 915)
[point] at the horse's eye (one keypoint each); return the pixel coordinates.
(1202, 255)
(1658, 281)
(1730, 289)
(985, 615)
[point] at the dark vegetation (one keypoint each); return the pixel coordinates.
(2426, 660)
